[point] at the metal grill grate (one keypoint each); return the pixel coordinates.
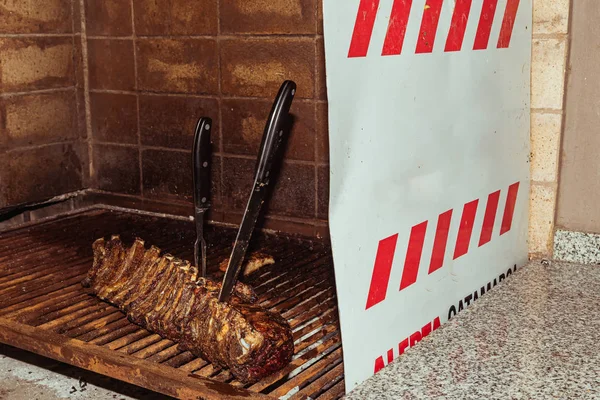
(42, 306)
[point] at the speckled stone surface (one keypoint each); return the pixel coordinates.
(536, 336)
(577, 247)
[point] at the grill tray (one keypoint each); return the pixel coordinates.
(44, 309)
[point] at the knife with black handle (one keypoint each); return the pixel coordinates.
(201, 155)
(271, 149)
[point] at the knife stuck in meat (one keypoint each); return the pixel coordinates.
(201, 160)
(223, 323)
(271, 148)
(164, 295)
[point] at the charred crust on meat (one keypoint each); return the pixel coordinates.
(165, 295)
(253, 262)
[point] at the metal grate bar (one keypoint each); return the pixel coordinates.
(41, 268)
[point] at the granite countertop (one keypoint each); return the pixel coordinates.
(535, 336)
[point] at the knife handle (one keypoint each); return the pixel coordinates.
(201, 154)
(274, 134)
(271, 148)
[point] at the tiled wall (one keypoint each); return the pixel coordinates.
(42, 149)
(549, 55)
(156, 66)
(151, 67)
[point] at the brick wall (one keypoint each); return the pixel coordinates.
(42, 140)
(151, 67)
(155, 66)
(548, 70)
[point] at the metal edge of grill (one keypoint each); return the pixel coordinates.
(43, 308)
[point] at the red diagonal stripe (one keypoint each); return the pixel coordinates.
(458, 26)
(509, 208)
(413, 255)
(429, 24)
(508, 23)
(382, 270)
(441, 239)
(489, 218)
(363, 28)
(426, 330)
(485, 24)
(466, 229)
(394, 38)
(379, 365)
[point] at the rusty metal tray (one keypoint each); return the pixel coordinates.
(43, 308)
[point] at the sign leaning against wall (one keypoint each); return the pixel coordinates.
(429, 158)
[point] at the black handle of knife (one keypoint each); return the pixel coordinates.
(274, 130)
(271, 149)
(201, 154)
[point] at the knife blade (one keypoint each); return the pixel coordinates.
(201, 155)
(271, 148)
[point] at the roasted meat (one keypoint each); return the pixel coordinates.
(254, 261)
(163, 294)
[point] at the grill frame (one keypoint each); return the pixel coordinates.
(43, 309)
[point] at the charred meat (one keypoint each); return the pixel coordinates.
(164, 295)
(254, 261)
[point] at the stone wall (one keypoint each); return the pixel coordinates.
(42, 137)
(549, 60)
(156, 66)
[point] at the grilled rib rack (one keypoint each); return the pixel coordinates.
(44, 309)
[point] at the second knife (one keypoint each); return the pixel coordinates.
(201, 155)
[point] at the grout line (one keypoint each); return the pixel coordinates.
(77, 62)
(108, 37)
(128, 145)
(550, 184)
(86, 88)
(219, 154)
(266, 36)
(547, 111)
(100, 206)
(143, 147)
(193, 95)
(137, 98)
(243, 36)
(239, 36)
(74, 54)
(39, 91)
(316, 19)
(73, 21)
(220, 105)
(557, 36)
(315, 116)
(317, 36)
(41, 146)
(201, 96)
(35, 35)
